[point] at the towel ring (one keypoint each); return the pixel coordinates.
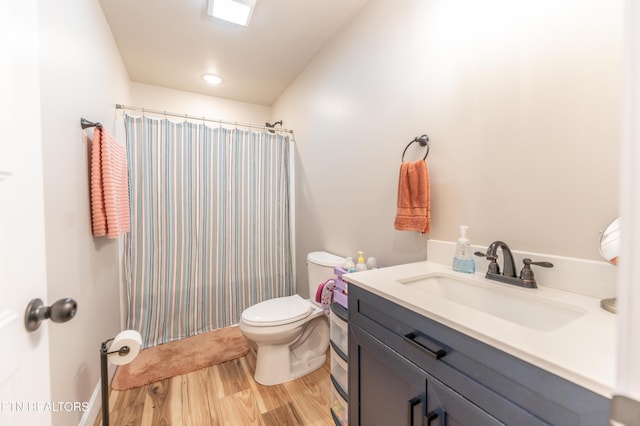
(422, 140)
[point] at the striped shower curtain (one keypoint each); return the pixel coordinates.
(209, 225)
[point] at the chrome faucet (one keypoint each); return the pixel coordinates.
(508, 276)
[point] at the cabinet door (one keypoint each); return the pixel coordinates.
(447, 407)
(389, 390)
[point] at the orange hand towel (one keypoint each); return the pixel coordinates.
(109, 186)
(414, 198)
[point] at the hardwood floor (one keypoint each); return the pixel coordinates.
(225, 394)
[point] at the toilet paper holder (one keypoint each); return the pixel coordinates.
(121, 351)
(61, 311)
(104, 376)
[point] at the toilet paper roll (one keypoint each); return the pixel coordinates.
(126, 338)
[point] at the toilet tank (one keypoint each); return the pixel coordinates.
(320, 266)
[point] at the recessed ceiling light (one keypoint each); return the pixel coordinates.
(236, 11)
(212, 78)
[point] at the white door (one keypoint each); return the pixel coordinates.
(24, 356)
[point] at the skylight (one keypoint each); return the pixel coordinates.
(236, 11)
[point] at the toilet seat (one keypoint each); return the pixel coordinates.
(278, 311)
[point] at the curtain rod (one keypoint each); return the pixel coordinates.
(193, 117)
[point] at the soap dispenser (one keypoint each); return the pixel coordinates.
(463, 259)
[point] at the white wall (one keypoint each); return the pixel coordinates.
(176, 101)
(82, 75)
(522, 102)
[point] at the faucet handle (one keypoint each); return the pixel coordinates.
(527, 276)
(528, 262)
(488, 256)
(494, 268)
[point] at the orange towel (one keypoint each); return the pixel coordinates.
(414, 198)
(109, 186)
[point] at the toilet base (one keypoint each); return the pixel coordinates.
(285, 371)
(280, 363)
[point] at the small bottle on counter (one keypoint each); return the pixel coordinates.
(372, 263)
(349, 266)
(361, 266)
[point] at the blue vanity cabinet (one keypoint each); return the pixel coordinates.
(405, 368)
(394, 391)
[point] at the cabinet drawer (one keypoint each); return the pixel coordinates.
(339, 335)
(339, 407)
(340, 371)
(511, 390)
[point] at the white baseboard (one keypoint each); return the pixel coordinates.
(95, 403)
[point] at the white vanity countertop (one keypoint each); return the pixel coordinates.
(582, 351)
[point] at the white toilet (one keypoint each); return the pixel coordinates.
(291, 333)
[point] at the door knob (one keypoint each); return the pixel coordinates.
(61, 311)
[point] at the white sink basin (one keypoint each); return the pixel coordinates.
(520, 306)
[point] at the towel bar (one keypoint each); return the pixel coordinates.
(84, 123)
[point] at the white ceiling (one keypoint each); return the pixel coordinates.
(171, 43)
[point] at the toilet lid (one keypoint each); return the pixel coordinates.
(278, 311)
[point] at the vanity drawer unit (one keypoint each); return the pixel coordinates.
(339, 364)
(406, 368)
